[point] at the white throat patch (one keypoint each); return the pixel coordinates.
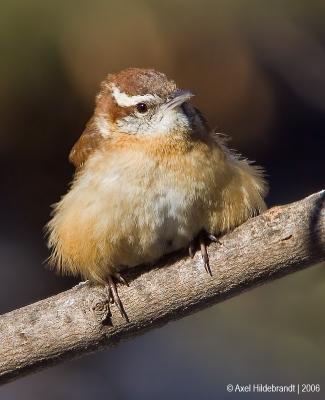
(124, 100)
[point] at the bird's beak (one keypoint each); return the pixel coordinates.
(177, 98)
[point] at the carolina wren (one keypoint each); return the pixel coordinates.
(150, 178)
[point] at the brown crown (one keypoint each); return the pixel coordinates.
(132, 81)
(138, 81)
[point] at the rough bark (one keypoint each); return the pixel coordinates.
(80, 320)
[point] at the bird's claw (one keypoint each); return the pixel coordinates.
(203, 238)
(121, 279)
(113, 294)
(204, 254)
(191, 249)
(213, 238)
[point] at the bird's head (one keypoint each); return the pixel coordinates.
(143, 102)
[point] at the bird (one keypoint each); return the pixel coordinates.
(151, 178)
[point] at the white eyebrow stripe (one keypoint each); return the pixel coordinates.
(124, 100)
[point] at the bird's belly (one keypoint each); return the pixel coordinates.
(156, 224)
(121, 215)
(168, 210)
(139, 220)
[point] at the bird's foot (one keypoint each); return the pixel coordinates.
(213, 238)
(202, 240)
(113, 296)
(204, 252)
(192, 248)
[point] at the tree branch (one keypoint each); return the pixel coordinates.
(78, 321)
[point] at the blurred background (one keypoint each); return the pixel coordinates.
(258, 71)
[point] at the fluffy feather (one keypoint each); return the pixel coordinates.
(138, 198)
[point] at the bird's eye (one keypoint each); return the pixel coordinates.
(142, 107)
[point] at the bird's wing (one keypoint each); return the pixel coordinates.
(88, 142)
